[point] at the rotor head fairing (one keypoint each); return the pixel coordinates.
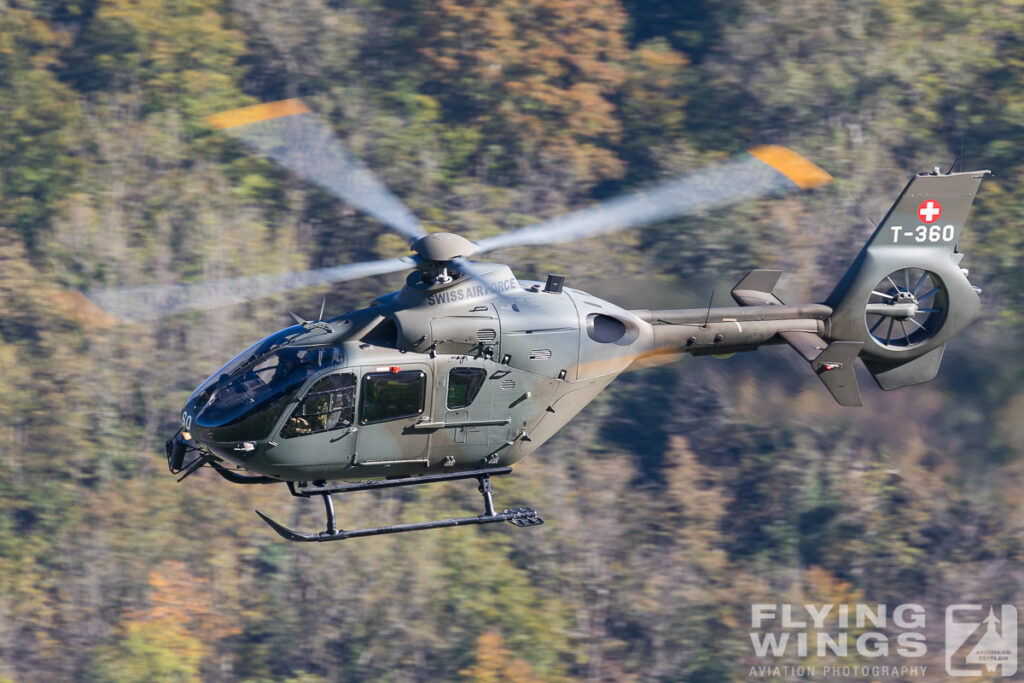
(442, 246)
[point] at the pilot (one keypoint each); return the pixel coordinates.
(289, 368)
(297, 426)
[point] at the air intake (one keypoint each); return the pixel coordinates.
(554, 284)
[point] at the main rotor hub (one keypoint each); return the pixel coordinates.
(442, 246)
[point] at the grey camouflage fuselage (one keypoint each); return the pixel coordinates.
(544, 355)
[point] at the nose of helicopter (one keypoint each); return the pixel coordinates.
(244, 405)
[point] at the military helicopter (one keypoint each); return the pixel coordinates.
(468, 369)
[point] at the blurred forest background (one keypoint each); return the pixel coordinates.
(677, 499)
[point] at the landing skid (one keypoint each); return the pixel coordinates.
(518, 516)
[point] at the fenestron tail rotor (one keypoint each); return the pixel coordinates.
(906, 308)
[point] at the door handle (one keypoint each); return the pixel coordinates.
(345, 432)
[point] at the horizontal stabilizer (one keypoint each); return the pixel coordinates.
(807, 344)
(755, 289)
(833, 363)
(834, 367)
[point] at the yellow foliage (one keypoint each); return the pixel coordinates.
(494, 664)
(179, 598)
(549, 70)
(169, 638)
(824, 588)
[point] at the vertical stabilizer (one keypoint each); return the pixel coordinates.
(905, 294)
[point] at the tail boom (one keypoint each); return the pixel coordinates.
(902, 299)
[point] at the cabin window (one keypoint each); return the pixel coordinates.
(392, 395)
(330, 404)
(463, 386)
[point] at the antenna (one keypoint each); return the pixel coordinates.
(707, 316)
(959, 158)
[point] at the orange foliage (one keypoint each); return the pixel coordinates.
(543, 71)
(494, 665)
(183, 604)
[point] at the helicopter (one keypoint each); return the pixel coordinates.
(467, 369)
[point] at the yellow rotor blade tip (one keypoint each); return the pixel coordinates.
(79, 308)
(806, 174)
(256, 113)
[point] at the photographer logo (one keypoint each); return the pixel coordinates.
(981, 642)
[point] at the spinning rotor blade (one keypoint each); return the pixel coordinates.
(290, 134)
(764, 171)
(144, 303)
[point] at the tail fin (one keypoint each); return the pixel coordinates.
(905, 294)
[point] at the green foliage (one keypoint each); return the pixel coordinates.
(38, 117)
(176, 54)
(145, 652)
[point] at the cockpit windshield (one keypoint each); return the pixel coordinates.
(256, 384)
(258, 349)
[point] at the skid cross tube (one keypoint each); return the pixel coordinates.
(310, 491)
(518, 516)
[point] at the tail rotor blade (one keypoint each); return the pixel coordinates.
(290, 134)
(763, 171)
(145, 303)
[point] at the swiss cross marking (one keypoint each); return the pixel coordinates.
(929, 211)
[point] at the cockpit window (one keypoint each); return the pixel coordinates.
(392, 395)
(463, 386)
(258, 349)
(330, 404)
(256, 385)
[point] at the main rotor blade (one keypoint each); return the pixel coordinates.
(144, 303)
(290, 134)
(763, 171)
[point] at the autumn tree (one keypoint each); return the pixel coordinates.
(536, 78)
(495, 665)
